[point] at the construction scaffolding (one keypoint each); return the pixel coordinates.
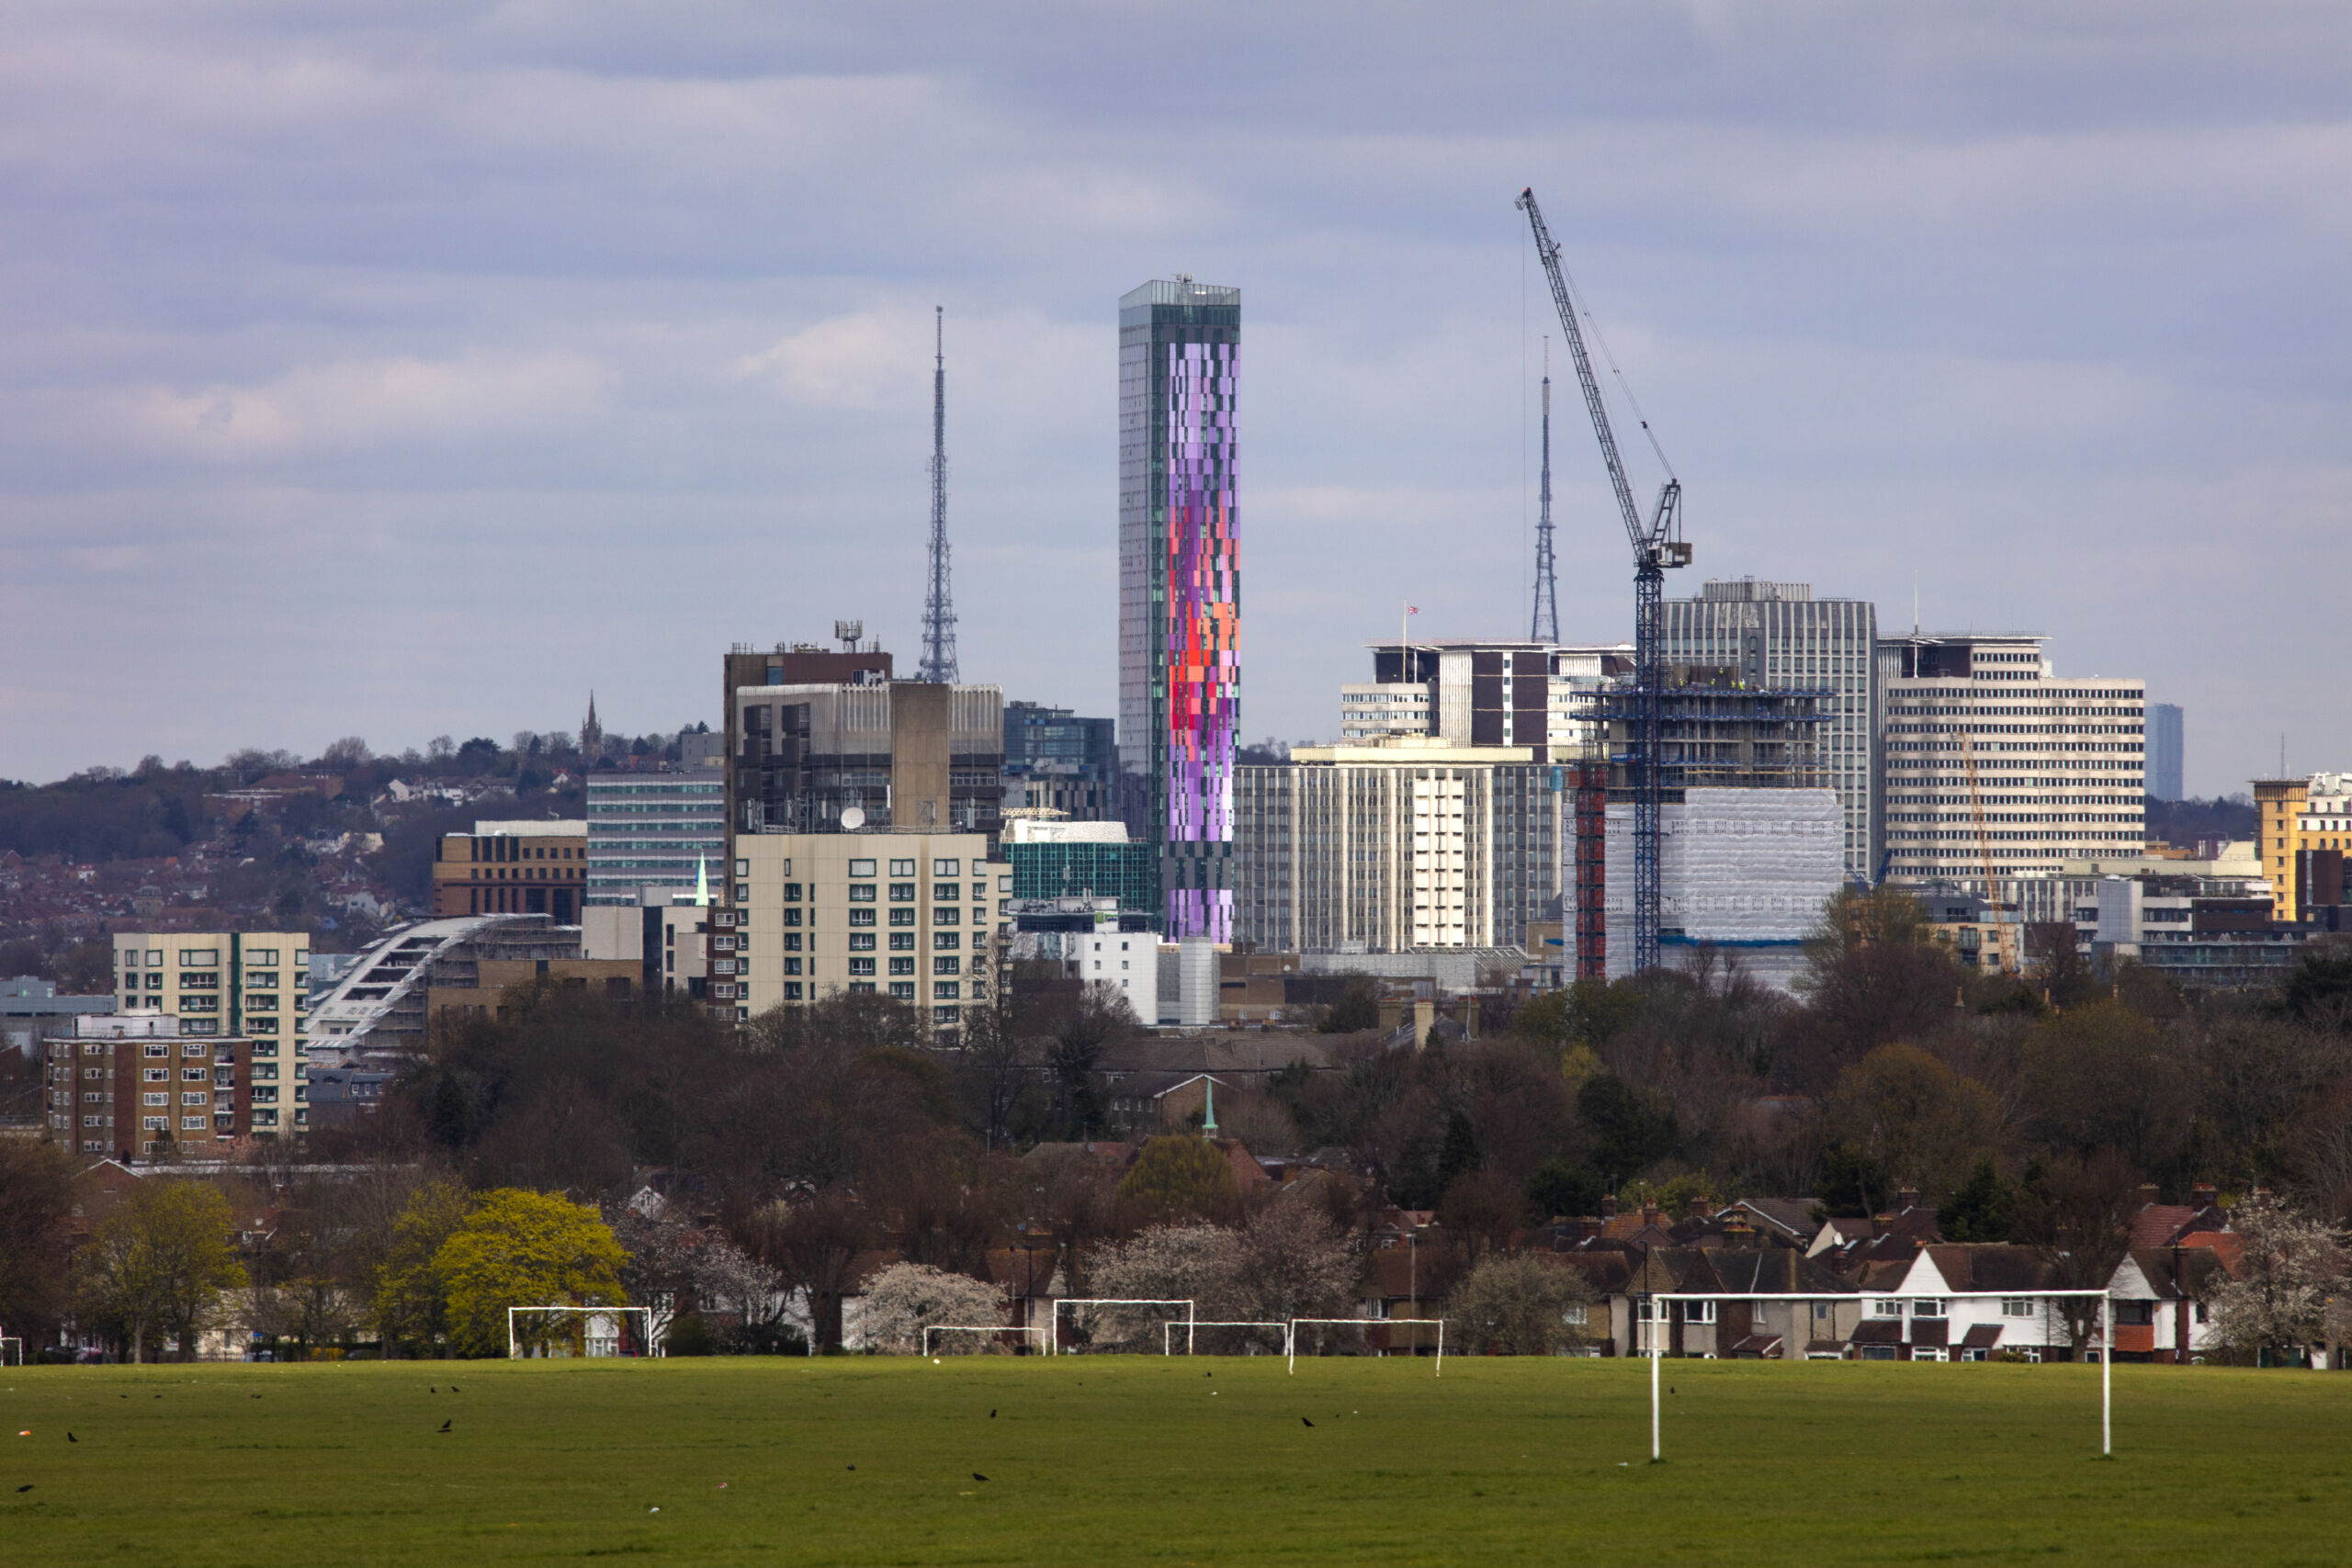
(1713, 731)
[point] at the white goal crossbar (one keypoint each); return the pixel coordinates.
(2106, 1355)
(1035, 1328)
(1374, 1323)
(645, 1338)
(1168, 1332)
(1054, 1345)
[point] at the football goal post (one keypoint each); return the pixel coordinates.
(1037, 1330)
(1656, 1322)
(1115, 1303)
(12, 1351)
(1192, 1336)
(592, 1341)
(1411, 1346)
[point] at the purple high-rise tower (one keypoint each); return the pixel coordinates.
(1179, 591)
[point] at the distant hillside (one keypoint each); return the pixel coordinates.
(2187, 821)
(337, 845)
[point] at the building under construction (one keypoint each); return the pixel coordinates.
(1751, 837)
(1717, 731)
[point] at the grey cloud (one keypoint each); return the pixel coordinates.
(626, 306)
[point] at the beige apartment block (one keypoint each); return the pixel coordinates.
(918, 917)
(225, 984)
(1400, 842)
(1981, 721)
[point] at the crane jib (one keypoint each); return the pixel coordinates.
(1549, 250)
(1655, 548)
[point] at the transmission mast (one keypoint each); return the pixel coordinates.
(1544, 627)
(1655, 547)
(938, 607)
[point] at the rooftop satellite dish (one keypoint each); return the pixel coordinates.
(853, 819)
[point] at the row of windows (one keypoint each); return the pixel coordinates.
(907, 967)
(209, 957)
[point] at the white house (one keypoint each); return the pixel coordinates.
(2159, 1313)
(1966, 1303)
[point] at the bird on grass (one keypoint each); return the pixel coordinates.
(26, 1487)
(978, 1476)
(991, 1414)
(444, 1426)
(71, 1439)
(853, 1467)
(455, 1389)
(1304, 1422)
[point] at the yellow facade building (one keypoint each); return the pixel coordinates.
(2280, 802)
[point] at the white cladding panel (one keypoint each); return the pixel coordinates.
(1736, 865)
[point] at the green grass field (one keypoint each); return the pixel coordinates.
(1142, 1459)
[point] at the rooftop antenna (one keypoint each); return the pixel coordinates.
(1544, 627)
(938, 609)
(1914, 601)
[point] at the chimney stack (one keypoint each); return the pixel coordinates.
(2203, 1195)
(2147, 1193)
(1608, 1207)
(1906, 1198)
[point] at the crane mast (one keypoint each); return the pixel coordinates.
(1544, 625)
(1655, 547)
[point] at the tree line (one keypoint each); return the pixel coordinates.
(791, 1152)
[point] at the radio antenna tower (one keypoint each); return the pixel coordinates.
(938, 608)
(1546, 626)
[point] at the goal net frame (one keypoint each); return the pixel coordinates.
(1168, 1333)
(1192, 1311)
(1373, 1323)
(6, 1340)
(1031, 1328)
(645, 1338)
(2103, 1328)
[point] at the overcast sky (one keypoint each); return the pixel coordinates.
(411, 368)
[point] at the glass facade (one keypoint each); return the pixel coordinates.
(2164, 752)
(653, 830)
(1128, 873)
(1180, 673)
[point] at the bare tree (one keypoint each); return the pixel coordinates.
(1295, 1263)
(2075, 1214)
(813, 1246)
(1073, 1197)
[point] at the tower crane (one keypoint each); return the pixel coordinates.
(1656, 546)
